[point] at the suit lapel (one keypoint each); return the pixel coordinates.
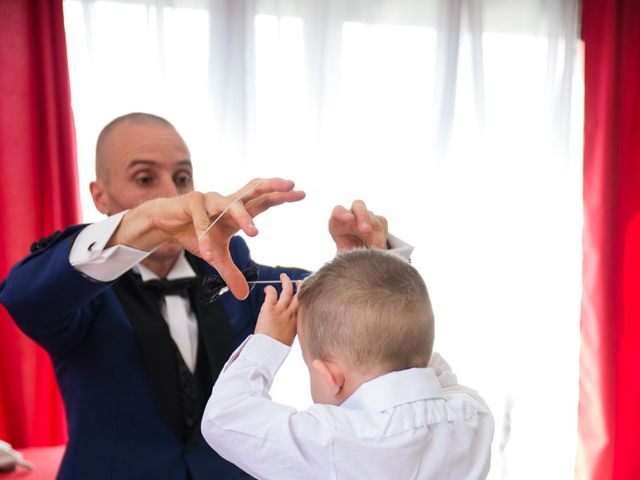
(157, 347)
(215, 343)
(215, 340)
(213, 326)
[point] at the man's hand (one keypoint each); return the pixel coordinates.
(278, 315)
(358, 228)
(186, 218)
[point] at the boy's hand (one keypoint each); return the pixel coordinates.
(278, 315)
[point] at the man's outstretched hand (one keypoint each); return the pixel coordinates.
(186, 219)
(358, 227)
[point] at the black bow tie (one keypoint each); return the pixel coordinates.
(213, 285)
(162, 286)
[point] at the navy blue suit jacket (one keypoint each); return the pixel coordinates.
(118, 407)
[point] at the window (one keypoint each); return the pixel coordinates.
(463, 130)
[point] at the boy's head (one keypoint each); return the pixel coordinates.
(364, 314)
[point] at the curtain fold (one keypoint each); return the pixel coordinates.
(609, 411)
(38, 194)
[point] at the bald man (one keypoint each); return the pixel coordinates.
(118, 304)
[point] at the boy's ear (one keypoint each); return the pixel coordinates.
(330, 374)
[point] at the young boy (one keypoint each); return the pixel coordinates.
(385, 407)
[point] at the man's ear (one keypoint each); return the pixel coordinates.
(330, 374)
(100, 196)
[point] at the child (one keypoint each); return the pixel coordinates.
(365, 327)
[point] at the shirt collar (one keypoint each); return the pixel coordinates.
(395, 388)
(181, 269)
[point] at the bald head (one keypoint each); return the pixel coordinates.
(139, 157)
(109, 137)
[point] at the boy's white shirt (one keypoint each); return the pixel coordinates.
(413, 424)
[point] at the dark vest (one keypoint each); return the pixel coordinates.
(180, 395)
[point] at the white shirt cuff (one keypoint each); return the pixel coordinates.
(89, 257)
(399, 247)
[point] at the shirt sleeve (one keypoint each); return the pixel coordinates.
(443, 371)
(449, 381)
(265, 439)
(399, 247)
(89, 256)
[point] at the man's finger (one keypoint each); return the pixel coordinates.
(235, 215)
(379, 233)
(200, 218)
(363, 216)
(264, 202)
(230, 273)
(260, 186)
(341, 218)
(339, 212)
(256, 197)
(239, 213)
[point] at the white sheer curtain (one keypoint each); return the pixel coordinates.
(459, 120)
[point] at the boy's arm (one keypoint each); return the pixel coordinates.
(241, 422)
(265, 439)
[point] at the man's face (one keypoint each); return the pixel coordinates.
(142, 162)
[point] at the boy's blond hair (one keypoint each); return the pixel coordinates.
(370, 309)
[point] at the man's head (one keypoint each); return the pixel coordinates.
(140, 157)
(369, 311)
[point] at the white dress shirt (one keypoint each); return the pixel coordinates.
(89, 256)
(177, 312)
(412, 424)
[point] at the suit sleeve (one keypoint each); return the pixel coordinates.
(49, 300)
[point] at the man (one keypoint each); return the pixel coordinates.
(117, 304)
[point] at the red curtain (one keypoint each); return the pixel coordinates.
(609, 415)
(38, 194)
